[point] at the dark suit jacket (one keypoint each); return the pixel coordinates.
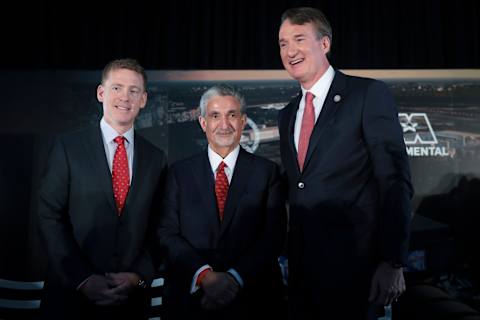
(249, 239)
(350, 207)
(78, 219)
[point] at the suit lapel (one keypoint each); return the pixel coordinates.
(96, 150)
(139, 168)
(330, 107)
(203, 176)
(291, 116)
(241, 175)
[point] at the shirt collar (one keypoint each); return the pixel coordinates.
(323, 84)
(230, 160)
(109, 133)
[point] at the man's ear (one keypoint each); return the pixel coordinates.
(325, 42)
(203, 123)
(100, 93)
(143, 101)
(244, 120)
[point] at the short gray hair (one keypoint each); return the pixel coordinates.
(221, 90)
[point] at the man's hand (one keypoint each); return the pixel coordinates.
(220, 289)
(387, 284)
(121, 284)
(110, 290)
(96, 289)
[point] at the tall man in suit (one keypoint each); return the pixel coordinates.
(223, 223)
(97, 202)
(349, 181)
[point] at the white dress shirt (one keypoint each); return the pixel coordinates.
(320, 90)
(108, 136)
(230, 160)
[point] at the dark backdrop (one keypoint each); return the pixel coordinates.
(241, 34)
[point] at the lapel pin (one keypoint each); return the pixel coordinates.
(337, 98)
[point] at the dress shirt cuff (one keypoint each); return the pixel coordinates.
(83, 282)
(237, 277)
(194, 287)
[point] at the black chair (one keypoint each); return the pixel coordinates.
(20, 299)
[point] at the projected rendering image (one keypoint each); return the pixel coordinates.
(439, 112)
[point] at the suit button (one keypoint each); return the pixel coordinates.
(301, 185)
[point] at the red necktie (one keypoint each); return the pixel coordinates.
(120, 174)
(308, 121)
(221, 188)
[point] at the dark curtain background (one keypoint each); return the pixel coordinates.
(228, 34)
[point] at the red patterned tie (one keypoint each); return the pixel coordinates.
(308, 122)
(120, 174)
(221, 188)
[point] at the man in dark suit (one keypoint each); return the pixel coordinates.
(97, 202)
(223, 223)
(349, 181)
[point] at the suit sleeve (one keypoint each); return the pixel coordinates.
(180, 254)
(258, 259)
(384, 139)
(64, 255)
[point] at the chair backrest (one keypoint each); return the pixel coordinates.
(156, 292)
(20, 299)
